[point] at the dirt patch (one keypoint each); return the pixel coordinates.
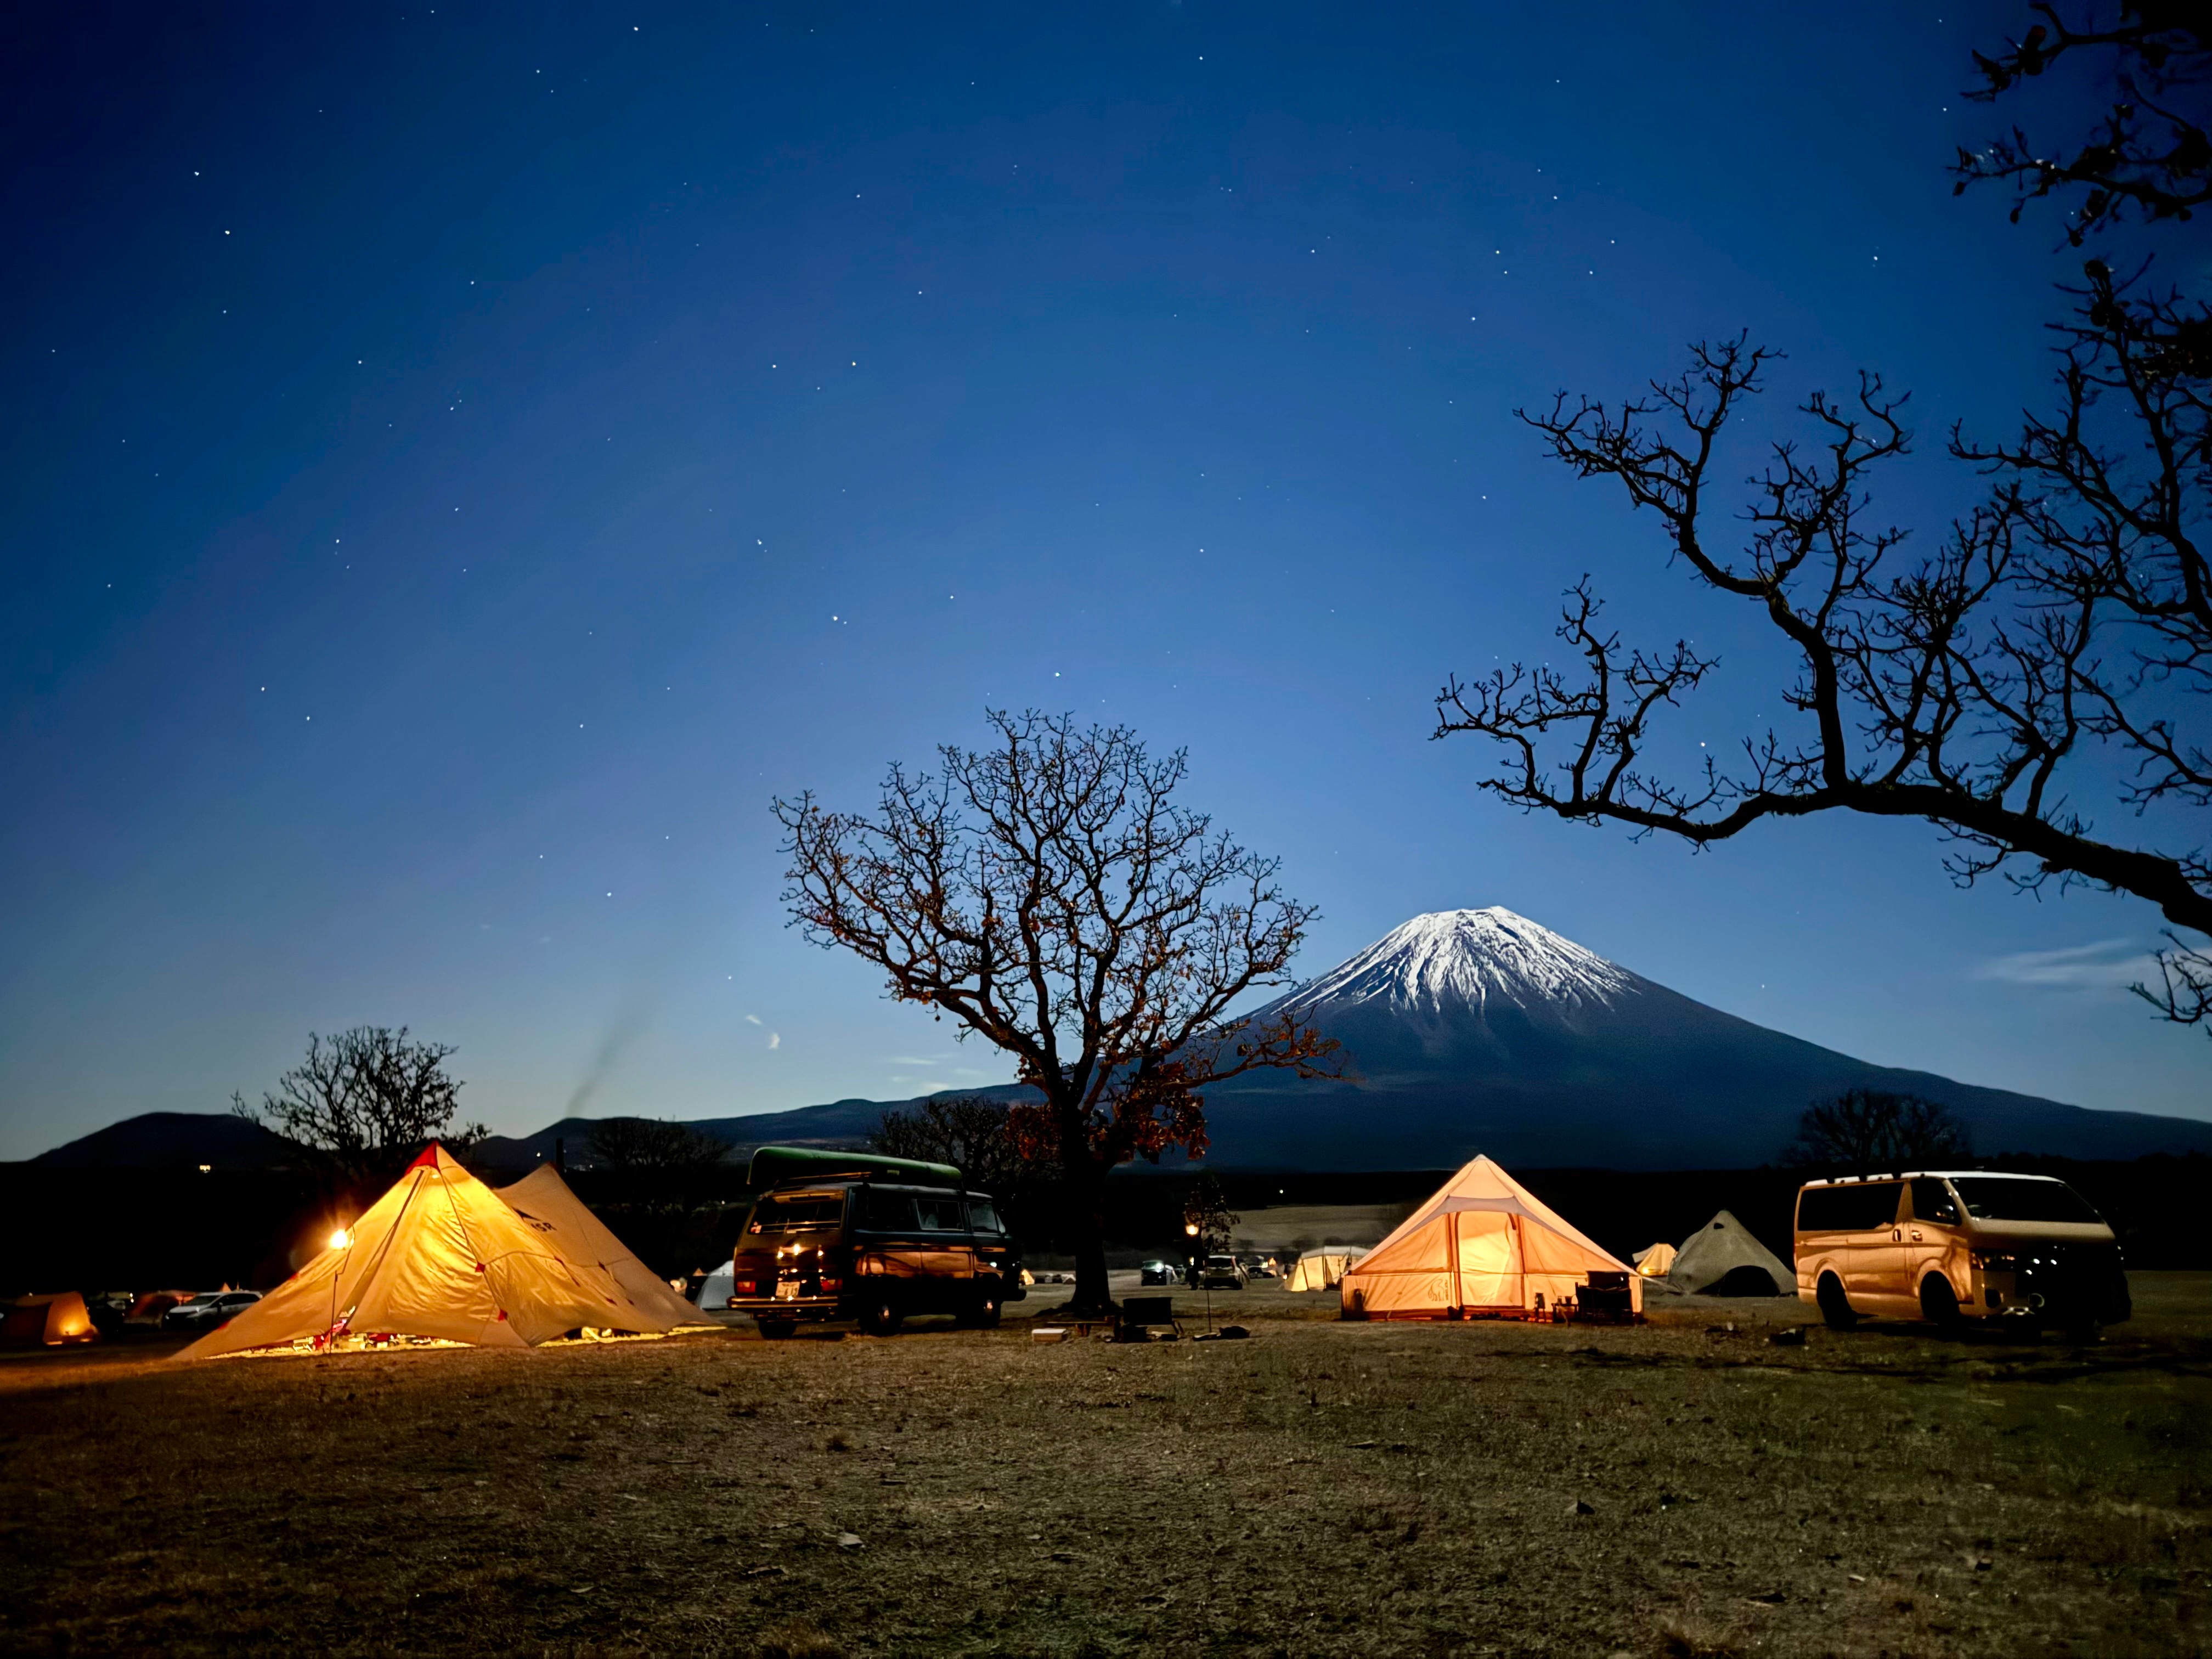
(1322, 1488)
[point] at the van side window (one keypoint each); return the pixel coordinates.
(940, 1213)
(982, 1217)
(1932, 1202)
(890, 1213)
(1849, 1209)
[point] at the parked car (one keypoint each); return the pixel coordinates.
(1159, 1273)
(1949, 1246)
(1257, 1267)
(873, 1247)
(1222, 1273)
(208, 1310)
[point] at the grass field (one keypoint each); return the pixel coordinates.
(1322, 1488)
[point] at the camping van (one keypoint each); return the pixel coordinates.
(1949, 1245)
(840, 1237)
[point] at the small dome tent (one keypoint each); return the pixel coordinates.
(1320, 1269)
(442, 1255)
(1482, 1244)
(1722, 1258)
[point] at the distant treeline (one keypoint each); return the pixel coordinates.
(78, 1229)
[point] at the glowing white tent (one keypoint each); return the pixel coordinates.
(1653, 1260)
(1320, 1269)
(1482, 1244)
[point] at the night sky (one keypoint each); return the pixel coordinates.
(460, 463)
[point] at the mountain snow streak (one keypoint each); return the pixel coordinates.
(1464, 959)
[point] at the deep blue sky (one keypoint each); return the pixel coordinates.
(460, 463)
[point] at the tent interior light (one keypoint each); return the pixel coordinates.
(340, 1239)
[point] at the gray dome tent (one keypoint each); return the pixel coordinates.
(1722, 1258)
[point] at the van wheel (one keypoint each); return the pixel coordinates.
(1939, 1304)
(775, 1330)
(1835, 1306)
(880, 1316)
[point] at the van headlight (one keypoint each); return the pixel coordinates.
(1997, 1261)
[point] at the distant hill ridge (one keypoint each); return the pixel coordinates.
(1464, 1032)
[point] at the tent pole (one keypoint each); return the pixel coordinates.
(1520, 1259)
(1459, 1291)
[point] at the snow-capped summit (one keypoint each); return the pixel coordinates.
(1449, 960)
(1467, 1031)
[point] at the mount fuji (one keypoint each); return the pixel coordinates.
(1468, 1031)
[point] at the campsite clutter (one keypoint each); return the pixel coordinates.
(443, 1257)
(1484, 1246)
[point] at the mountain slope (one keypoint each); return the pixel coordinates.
(184, 1141)
(1481, 1031)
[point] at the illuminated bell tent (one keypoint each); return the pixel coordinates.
(1654, 1259)
(1320, 1269)
(1722, 1258)
(1482, 1245)
(443, 1256)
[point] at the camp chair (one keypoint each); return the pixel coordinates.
(1605, 1300)
(1138, 1311)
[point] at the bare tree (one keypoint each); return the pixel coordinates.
(364, 1102)
(2059, 638)
(646, 1143)
(975, 1133)
(2062, 631)
(1869, 1130)
(1049, 895)
(2151, 157)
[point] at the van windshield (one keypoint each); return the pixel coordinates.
(797, 1212)
(1993, 1197)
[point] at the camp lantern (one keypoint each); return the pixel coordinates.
(340, 1239)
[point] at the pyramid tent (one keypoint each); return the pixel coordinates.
(543, 1201)
(1654, 1259)
(1320, 1269)
(441, 1255)
(47, 1322)
(1483, 1243)
(1722, 1258)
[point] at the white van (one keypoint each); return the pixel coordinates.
(1948, 1245)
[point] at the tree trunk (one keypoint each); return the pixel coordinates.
(1085, 1191)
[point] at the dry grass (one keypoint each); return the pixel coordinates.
(1321, 1489)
